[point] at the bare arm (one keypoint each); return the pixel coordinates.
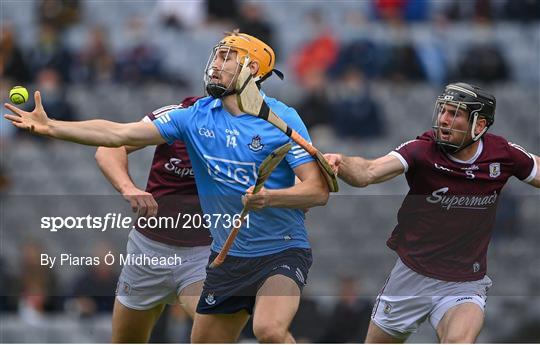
(311, 191)
(113, 163)
(361, 172)
(536, 180)
(93, 132)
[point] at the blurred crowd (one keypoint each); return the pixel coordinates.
(334, 76)
(141, 61)
(331, 72)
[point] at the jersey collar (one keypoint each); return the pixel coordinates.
(216, 103)
(473, 158)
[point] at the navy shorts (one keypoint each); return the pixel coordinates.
(233, 285)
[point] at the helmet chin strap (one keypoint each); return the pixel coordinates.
(218, 90)
(473, 125)
(452, 149)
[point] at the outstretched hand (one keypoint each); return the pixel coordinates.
(36, 122)
(334, 159)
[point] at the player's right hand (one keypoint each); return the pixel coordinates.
(35, 122)
(143, 203)
(334, 159)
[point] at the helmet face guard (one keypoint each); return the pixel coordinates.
(462, 97)
(213, 86)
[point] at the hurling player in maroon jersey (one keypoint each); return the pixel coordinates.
(144, 290)
(455, 174)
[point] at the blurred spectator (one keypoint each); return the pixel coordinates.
(349, 321)
(8, 299)
(526, 332)
(417, 10)
(13, 63)
(252, 21)
(433, 60)
(522, 11)
(394, 11)
(50, 52)
(507, 220)
(314, 109)
(59, 13)
(362, 54)
(308, 322)
(180, 14)
(483, 11)
(4, 185)
(95, 62)
(403, 63)
(355, 113)
(482, 63)
(7, 131)
(480, 11)
(94, 289)
(140, 61)
(390, 11)
(222, 11)
(38, 289)
(317, 54)
(53, 95)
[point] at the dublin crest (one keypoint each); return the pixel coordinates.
(210, 300)
(256, 144)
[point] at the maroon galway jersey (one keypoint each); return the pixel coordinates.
(172, 183)
(445, 222)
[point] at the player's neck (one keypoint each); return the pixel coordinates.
(468, 152)
(231, 105)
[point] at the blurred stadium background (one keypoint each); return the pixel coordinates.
(364, 76)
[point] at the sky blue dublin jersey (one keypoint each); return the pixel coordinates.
(225, 152)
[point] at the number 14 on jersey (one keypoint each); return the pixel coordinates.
(231, 141)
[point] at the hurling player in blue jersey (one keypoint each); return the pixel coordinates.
(268, 265)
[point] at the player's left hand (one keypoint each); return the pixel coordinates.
(255, 201)
(36, 122)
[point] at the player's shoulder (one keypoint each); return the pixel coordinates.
(499, 144)
(185, 103)
(196, 104)
(492, 140)
(203, 102)
(496, 144)
(189, 101)
(425, 140)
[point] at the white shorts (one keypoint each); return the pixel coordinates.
(143, 286)
(407, 299)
